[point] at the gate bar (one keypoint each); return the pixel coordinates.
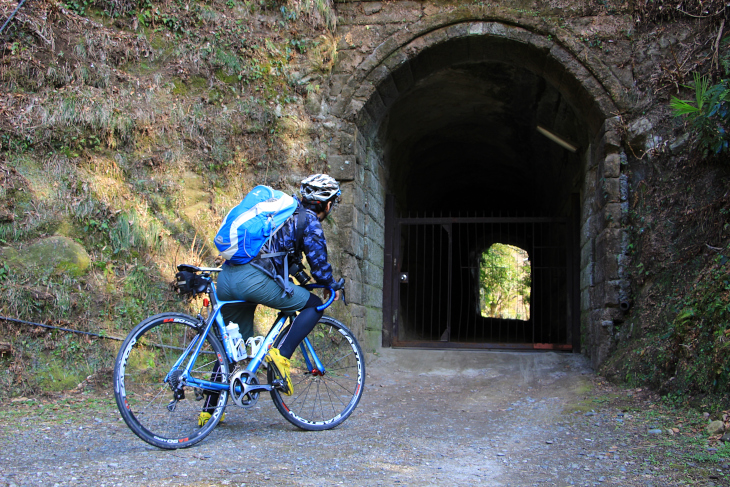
(443, 220)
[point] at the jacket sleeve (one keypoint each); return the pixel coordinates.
(315, 248)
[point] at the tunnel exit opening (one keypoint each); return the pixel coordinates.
(505, 279)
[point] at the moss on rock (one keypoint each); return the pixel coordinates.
(52, 255)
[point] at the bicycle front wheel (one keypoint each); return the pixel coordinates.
(323, 401)
(146, 380)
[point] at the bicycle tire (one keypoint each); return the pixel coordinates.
(325, 401)
(146, 357)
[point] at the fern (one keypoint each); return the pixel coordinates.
(708, 114)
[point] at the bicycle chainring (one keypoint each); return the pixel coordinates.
(239, 379)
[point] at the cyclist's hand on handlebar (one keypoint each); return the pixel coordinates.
(336, 287)
(327, 293)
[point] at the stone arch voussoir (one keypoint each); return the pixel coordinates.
(555, 55)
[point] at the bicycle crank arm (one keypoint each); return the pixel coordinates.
(245, 388)
(257, 388)
(247, 395)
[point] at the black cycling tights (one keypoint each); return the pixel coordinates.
(303, 324)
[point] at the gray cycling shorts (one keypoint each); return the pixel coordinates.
(251, 284)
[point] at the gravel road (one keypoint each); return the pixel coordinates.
(426, 418)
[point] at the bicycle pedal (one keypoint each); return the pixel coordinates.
(278, 383)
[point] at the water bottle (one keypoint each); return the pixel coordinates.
(235, 341)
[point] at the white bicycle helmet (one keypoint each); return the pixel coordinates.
(320, 187)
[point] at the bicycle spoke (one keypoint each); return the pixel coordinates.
(347, 354)
(329, 395)
(161, 391)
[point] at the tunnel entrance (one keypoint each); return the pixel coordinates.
(437, 284)
(481, 152)
(454, 133)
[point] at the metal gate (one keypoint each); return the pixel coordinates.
(432, 289)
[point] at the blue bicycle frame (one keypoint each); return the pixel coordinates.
(314, 365)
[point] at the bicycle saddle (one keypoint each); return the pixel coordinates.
(188, 267)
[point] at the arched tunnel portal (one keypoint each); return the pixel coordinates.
(473, 135)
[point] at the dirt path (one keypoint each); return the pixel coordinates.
(426, 418)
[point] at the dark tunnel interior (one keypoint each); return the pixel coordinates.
(465, 139)
(463, 142)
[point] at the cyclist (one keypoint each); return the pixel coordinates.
(256, 281)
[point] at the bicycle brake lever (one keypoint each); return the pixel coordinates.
(340, 286)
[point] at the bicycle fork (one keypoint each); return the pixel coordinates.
(307, 351)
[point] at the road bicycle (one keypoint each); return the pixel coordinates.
(171, 367)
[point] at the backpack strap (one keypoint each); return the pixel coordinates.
(300, 225)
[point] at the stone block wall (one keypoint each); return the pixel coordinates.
(361, 237)
(603, 239)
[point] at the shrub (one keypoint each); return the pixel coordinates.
(708, 114)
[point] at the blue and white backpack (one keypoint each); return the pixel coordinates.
(251, 223)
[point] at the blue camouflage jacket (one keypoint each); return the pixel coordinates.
(314, 246)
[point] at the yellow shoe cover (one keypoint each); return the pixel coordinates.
(281, 367)
(204, 417)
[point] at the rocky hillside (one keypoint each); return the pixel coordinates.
(676, 336)
(127, 130)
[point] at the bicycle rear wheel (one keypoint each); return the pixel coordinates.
(147, 403)
(321, 402)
